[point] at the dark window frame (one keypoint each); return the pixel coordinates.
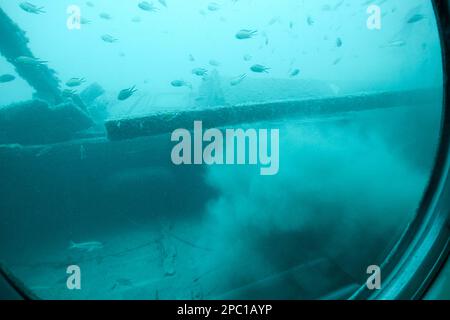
(419, 255)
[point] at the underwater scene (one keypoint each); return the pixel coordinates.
(115, 154)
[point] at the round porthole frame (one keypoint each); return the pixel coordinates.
(410, 268)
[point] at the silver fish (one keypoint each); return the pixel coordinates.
(86, 246)
(7, 78)
(180, 83)
(108, 38)
(75, 82)
(214, 63)
(416, 18)
(24, 60)
(294, 73)
(258, 68)
(246, 34)
(238, 79)
(247, 57)
(147, 6)
(213, 6)
(105, 16)
(31, 8)
(201, 72)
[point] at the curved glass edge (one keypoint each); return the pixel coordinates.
(11, 288)
(419, 255)
(440, 287)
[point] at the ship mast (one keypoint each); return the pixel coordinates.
(14, 44)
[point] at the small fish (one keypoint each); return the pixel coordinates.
(85, 21)
(68, 93)
(310, 21)
(273, 21)
(86, 246)
(201, 72)
(213, 6)
(147, 6)
(214, 63)
(126, 93)
(108, 38)
(24, 60)
(335, 62)
(416, 18)
(394, 44)
(246, 34)
(238, 79)
(7, 78)
(90, 4)
(163, 3)
(105, 16)
(136, 19)
(294, 73)
(258, 68)
(75, 82)
(31, 8)
(339, 42)
(180, 83)
(191, 58)
(247, 57)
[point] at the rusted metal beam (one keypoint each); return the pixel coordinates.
(14, 44)
(165, 122)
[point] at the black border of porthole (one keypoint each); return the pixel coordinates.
(417, 258)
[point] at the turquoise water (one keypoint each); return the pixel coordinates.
(349, 181)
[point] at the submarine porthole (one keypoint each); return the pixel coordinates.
(225, 150)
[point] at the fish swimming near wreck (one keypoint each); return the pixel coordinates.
(30, 61)
(31, 8)
(237, 80)
(246, 34)
(180, 83)
(105, 16)
(213, 6)
(214, 63)
(416, 18)
(75, 82)
(201, 72)
(126, 93)
(146, 6)
(394, 43)
(85, 21)
(294, 73)
(258, 68)
(7, 78)
(86, 246)
(108, 38)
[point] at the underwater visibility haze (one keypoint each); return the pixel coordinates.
(86, 116)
